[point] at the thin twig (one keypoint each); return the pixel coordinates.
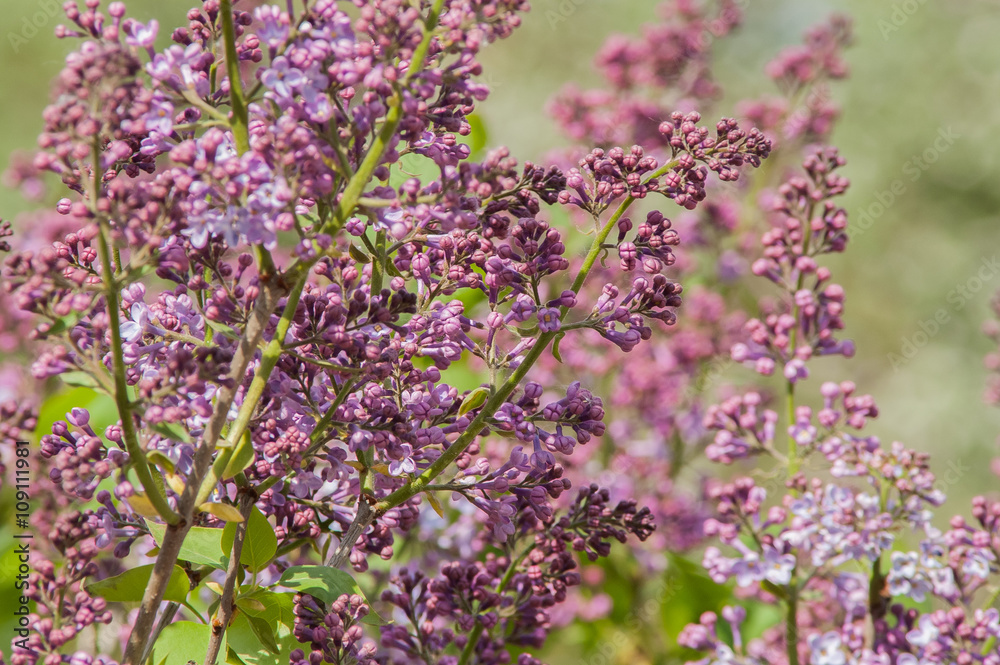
(225, 612)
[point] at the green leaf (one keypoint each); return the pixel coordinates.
(555, 346)
(82, 379)
(231, 657)
(245, 637)
(171, 431)
(277, 607)
(141, 504)
(158, 458)
(260, 544)
(478, 137)
(264, 633)
(474, 400)
(358, 255)
(224, 329)
(64, 323)
(130, 586)
(242, 457)
(202, 546)
(325, 583)
(391, 269)
(248, 603)
(435, 504)
(265, 609)
(183, 641)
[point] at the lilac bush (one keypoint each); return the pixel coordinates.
(277, 261)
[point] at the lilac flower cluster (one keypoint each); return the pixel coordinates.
(283, 313)
(806, 111)
(291, 356)
(334, 633)
(505, 601)
(668, 67)
(64, 608)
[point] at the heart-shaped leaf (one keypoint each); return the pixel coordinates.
(260, 544)
(130, 586)
(202, 546)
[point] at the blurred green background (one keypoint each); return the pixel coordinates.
(919, 70)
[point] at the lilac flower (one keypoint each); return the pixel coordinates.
(141, 35)
(924, 634)
(275, 26)
(404, 465)
(548, 319)
(826, 649)
(778, 568)
(160, 117)
(282, 78)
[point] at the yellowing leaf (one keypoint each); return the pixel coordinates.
(159, 459)
(242, 457)
(142, 505)
(474, 400)
(435, 504)
(223, 511)
(176, 483)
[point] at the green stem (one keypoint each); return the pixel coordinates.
(269, 358)
(793, 445)
(991, 643)
(300, 270)
(477, 630)
(122, 402)
(792, 626)
(226, 605)
(597, 246)
(240, 120)
(420, 53)
(355, 188)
